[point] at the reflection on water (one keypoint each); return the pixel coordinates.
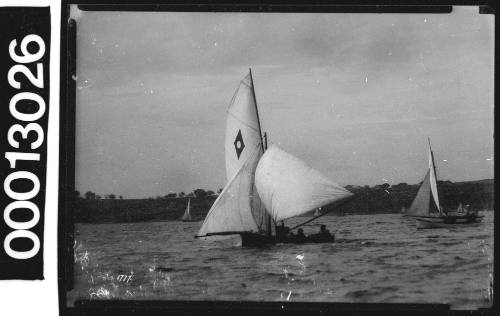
(376, 258)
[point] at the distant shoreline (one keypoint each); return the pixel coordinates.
(378, 199)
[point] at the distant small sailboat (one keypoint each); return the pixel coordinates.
(265, 185)
(426, 209)
(187, 215)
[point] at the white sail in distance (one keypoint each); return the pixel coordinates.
(288, 187)
(420, 205)
(432, 179)
(187, 215)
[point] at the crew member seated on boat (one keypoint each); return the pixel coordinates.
(282, 231)
(296, 238)
(300, 234)
(324, 233)
(468, 212)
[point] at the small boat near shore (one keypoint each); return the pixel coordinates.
(187, 213)
(428, 212)
(448, 221)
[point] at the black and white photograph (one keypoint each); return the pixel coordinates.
(283, 157)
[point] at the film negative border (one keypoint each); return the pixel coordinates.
(67, 139)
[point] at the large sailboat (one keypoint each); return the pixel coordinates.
(427, 210)
(264, 185)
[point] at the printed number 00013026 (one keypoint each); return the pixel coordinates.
(20, 132)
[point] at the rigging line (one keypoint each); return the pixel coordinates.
(238, 89)
(246, 84)
(228, 111)
(336, 206)
(224, 233)
(242, 122)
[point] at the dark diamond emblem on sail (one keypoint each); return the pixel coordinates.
(239, 144)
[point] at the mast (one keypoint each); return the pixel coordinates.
(261, 141)
(256, 109)
(432, 157)
(268, 216)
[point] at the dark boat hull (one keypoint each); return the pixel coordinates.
(447, 221)
(256, 240)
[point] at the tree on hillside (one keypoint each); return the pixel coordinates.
(171, 195)
(77, 194)
(89, 195)
(190, 195)
(210, 192)
(182, 194)
(121, 197)
(220, 191)
(111, 196)
(200, 193)
(97, 197)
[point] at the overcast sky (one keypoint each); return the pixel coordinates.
(353, 95)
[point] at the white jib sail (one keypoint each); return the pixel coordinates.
(433, 180)
(231, 212)
(420, 205)
(288, 187)
(187, 215)
(242, 128)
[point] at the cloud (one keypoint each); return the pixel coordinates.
(354, 95)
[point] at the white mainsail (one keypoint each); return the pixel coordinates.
(433, 179)
(187, 215)
(289, 187)
(238, 207)
(242, 127)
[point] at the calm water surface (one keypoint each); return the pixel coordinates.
(376, 258)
